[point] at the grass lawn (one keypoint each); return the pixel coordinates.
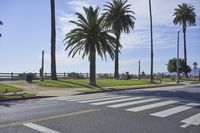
(17, 96)
(80, 83)
(7, 88)
(13, 96)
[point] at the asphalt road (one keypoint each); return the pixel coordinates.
(159, 110)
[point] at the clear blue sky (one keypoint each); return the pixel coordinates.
(26, 32)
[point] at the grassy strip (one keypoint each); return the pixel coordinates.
(84, 83)
(17, 96)
(7, 88)
(97, 90)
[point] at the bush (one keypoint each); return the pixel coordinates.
(74, 75)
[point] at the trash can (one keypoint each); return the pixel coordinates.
(29, 77)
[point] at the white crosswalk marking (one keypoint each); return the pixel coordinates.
(115, 101)
(132, 103)
(150, 106)
(175, 110)
(193, 120)
(86, 98)
(39, 128)
(81, 97)
(102, 99)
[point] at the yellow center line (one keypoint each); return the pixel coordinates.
(48, 118)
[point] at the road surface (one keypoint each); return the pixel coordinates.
(156, 110)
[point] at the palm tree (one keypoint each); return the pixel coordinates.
(184, 15)
(1, 23)
(53, 42)
(151, 27)
(91, 37)
(120, 19)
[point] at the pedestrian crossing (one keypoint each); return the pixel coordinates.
(139, 104)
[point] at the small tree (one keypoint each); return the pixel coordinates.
(171, 66)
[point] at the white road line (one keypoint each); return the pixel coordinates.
(132, 103)
(150, 106)
(88, 98)
(39, 128)
(103, 99)
(115, 101)
(175, 110)
(193, 120)
(74, 96)
(79, 97)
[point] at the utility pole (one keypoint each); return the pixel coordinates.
(177, 60)
(42, 68)
(139, 70)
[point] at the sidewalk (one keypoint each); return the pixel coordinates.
(58, 91)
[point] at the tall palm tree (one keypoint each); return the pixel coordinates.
(53, 42)
(1, 23)
(151, 27)
(120, 19)
(91, 37)
(184, 15)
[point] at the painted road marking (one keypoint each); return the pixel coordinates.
(175, 110)
(80, 96)
(115, 101)
(102, 99)
(39, 128)
(47, 118)
(150, 106)
(74, 96)
(88, 98)
(193, 120)
(132, 103)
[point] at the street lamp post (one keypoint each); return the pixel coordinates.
(177, 61)
(199, 75)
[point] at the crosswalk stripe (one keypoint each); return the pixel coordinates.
(193, 120)
(175, 110)
(115, 101)
(150, 106)
(81, 96)
(39, 128)
(89, 98)
(102, 99)
(132, 103)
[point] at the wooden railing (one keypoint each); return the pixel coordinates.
(22, 76)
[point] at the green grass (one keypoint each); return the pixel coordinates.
(7, 88)
(80, 83)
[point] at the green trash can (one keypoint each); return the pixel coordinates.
(29, 77)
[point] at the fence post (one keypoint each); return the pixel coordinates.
(11, 75)
(64, 75)
(24, 76)
(45, 75)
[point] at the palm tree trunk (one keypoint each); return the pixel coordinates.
(185, 50)
(151, 80)
(53, 42)
(93, 68)
(116, 73)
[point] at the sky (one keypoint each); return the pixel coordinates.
(26, 32)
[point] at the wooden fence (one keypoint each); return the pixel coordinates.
(73, 75)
